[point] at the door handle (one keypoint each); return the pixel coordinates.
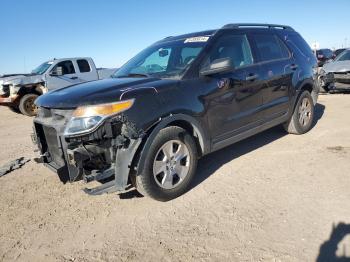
(74, 77)
(251, 77)
(293, 66)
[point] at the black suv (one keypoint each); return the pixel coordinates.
(324, 55)
(176, 101)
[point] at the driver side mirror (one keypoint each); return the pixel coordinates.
(57, 72)
(218, 66)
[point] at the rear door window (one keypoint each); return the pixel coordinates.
(83, 65)
(270, 47)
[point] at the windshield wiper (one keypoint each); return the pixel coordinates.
(133, 75)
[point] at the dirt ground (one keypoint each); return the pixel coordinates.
(272, 197)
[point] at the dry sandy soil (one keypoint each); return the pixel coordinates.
(272, 197)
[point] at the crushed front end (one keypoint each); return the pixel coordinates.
(103, 153)
(8, 95)
(341, 80)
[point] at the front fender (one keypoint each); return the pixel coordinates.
(198, 132)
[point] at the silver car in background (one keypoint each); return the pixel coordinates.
(335, 75)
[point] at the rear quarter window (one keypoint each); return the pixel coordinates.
(83, 65)
(300, 44)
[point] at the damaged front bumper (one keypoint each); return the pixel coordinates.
(6, 100)
(8, 95)
(341, 80)
(336, 80)
(104, 154)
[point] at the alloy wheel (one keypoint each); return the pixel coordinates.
(305, 112)
(171, 164)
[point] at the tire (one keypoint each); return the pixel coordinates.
(160, 177)
(27, 106)
(303, 115)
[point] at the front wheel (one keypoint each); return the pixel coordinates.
(170, 165)
(27, 106)
(303, 115)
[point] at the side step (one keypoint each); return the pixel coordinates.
(108, 187)
(96, 175)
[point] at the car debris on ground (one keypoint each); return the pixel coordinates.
(13, 165)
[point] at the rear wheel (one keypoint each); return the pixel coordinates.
(303, 115)
(27, 106)
(170, 165)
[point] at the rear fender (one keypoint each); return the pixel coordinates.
(307, 84)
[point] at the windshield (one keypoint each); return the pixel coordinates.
(343, 56)
(42, 68)
(164, 60)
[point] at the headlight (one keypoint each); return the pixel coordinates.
(87, 118)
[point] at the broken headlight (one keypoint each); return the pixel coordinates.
(86, 119)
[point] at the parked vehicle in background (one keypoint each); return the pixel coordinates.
(20, 91)
(323, 56)
(177, 100)
(336, 74)
(338, 51)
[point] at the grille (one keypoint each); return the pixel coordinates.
(342, 77)
(53, 145)
(5, 90)
(49, 124)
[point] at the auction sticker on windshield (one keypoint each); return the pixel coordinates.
(197, 39)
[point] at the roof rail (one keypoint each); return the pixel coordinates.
(231, 26)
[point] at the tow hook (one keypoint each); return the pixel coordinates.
(41, 159)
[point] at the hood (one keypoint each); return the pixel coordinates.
(95, 92)
(337, 66)
(26, 80)
(6, 79)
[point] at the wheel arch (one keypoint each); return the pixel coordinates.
(186, 122)
(38, 89)
(308, 85)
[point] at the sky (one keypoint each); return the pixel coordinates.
(112, 32)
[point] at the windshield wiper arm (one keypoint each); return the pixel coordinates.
(133, 75)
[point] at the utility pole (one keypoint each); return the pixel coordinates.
(24, 65)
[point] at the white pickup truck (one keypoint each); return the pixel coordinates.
(20, 91)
